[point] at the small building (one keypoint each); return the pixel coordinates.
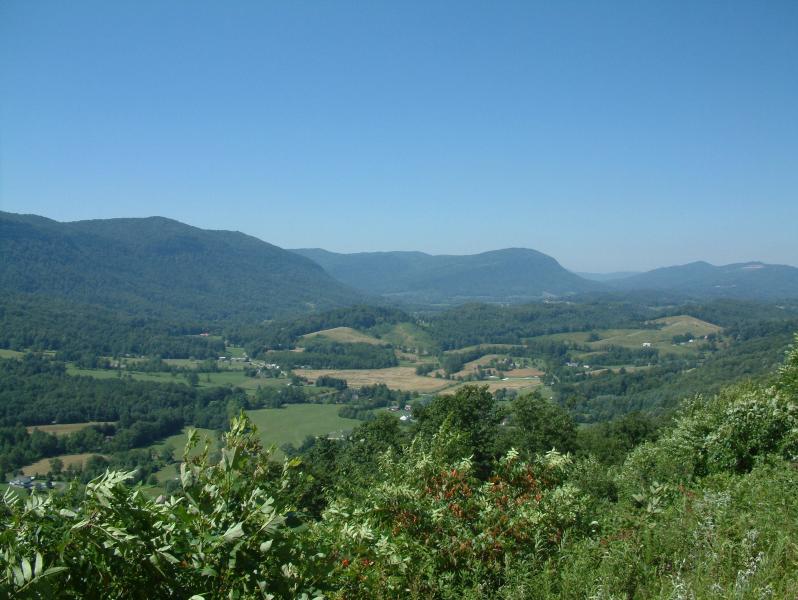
(646, 344)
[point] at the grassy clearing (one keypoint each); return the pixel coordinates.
(479, 347)
(520, 385)
(61, 429)
(661, 338)
(470, 368)
(526, 372)
(235, 378)
(409, 335)
(345, 335)
(42, 467)
(113, 374)
(10, 353)
(397, 378)
(235, 352)
(293, 423)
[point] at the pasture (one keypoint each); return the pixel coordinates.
(409, 335)
(494, 385)
(42, 467)
(470, 368)
(233, 377)
(10, 353)
(294, 422)
(660, 338)
(396, 378)
(344, 335)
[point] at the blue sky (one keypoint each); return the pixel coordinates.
(611, 135)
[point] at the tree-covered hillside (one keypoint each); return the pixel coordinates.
(509, 275)
(752, 281)
(159, 267)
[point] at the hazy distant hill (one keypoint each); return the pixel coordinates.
(510, 275)
(753, 280)
(161, 267)
(607, 276)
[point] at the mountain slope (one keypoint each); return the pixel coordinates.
(512, 274)
(753, 280)
(157, 266)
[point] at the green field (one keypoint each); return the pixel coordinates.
(294, 422)
(10, 353)
(235, 352)
(206, 380)
(408, 335)
(660, 338)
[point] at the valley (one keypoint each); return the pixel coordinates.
(93, 380)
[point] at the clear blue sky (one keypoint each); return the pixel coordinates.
(611, 135)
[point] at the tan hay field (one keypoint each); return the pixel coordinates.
(397, 378)
(497, 384)
(42, 467)
(530, 372)
(471, 367)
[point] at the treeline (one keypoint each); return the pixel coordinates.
(81, 332)
(37, 391)
(488, 324)
(659, 389)
(283, 335)
(361, 403)
(326, 354)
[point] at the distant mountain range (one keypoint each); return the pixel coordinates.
(160, 267)
(752, 281)
(607, 276)
(510, 275)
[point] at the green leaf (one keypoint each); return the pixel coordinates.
(27, 572)
(235, 532)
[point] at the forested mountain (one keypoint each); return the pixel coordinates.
(751, 280)
(509, 275)
(156, 266)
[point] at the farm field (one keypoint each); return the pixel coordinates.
(470, 368)
(206, 380)
(235, 352)
(60, 429)
(397, 378)
(345, 335)
(408, 335)
(525, 372)
(479, 347)
(519, 385)
(661, 339)
(42, 467)
(294, 422)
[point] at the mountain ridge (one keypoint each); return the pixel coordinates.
(158, 266)
(508, 274)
